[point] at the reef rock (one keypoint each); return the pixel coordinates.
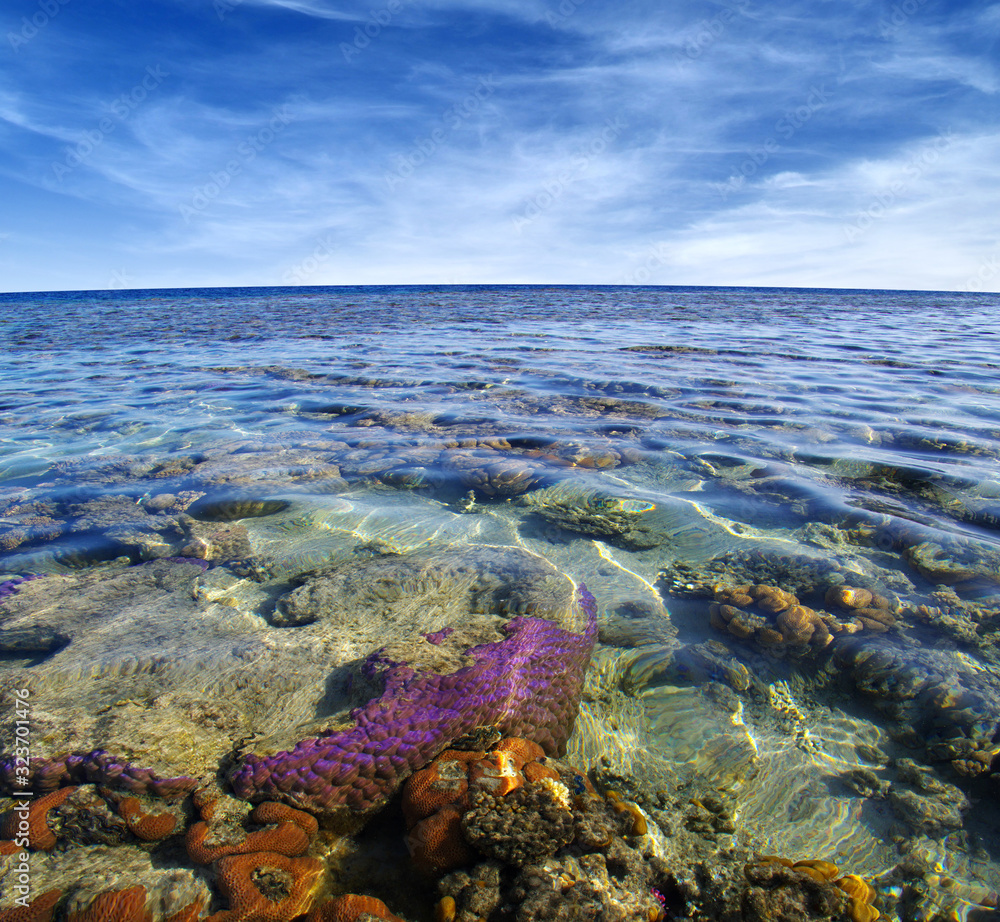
(633, 521)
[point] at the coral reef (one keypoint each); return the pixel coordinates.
(594, 511)
(491, 475)
(781, 887)
(40, 909)
(87, 818)
(547, 849)
(874, 611)
(266, 887)
(526, 685)
(98, 767)
(775, 619)
(273, 813)
(222, 830)
(782, 890)
(948, 707)
(576, 868)
(32, 822)
(146, 826)
(926, 804)
(441, 802)
(772, 617)
(529, 823)
(801, 574)
(350, 907)
(115, 906)
(10, 586)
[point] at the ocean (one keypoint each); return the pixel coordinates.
(786, 503)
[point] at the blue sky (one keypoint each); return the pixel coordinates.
(831, 143)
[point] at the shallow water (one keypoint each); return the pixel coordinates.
(647, 442)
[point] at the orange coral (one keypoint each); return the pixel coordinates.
(445, 910)
(875, 612)
(535, 771)
(349, 907)
(435, 797)
(146, 826)
(848, 597)
(817, 869)
(639, 825)
(243, 880)
(497, 773)
(40, 837)
(274, 813)
(205, 801)
(771, 616)
(522, 751)
(444, 781)
(861, 895)
(286, 839)
(115, 906)
(436, 842)
(38, 910)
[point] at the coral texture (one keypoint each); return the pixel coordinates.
(10, 586)
(556, 857)
(526, 685)
(774, 618)
(40, 836)
(780, 886)
(287, 838)
(266, 887)
(115, 906)
(150, 827)
(38, 910)
(97, 767)
(485, 800)
(349, 907)
(272, 813)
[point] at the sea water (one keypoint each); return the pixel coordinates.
(653, 443)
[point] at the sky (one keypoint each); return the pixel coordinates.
(804, 143)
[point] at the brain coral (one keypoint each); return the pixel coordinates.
(526, 685)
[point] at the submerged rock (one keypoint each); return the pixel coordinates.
(636, 522)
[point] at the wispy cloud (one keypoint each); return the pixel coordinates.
(742, 142)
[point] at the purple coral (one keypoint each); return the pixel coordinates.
(438, 637)
(97, 767)
(527, 685)
(10, 586)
